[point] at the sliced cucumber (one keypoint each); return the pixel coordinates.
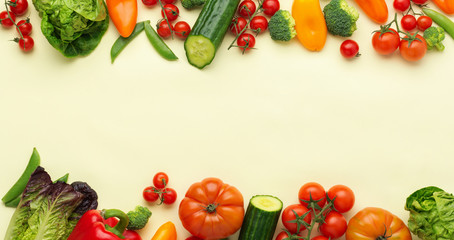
(199, 50)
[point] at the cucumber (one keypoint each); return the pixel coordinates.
(208, 31)
(261, 218)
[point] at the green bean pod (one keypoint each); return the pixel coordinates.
(122, 42)
(440, 19)
(159, 45)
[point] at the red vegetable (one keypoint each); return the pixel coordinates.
(334, 226)
(182, 29)
(237, 25)
(18, 7)
(270, 7)
(170, 11)
(349, 49)
(128, 234)
(26, 43)
(412, 48)
(246, 8)
(293, 217)
(5, 21)
(386, 42)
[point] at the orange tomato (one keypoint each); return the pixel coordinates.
(123, 14)
(376, 223)
(166, 232)
(447, 6)
(310, 24)
(377, 10)
(212, 209)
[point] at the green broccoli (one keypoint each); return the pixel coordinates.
(188, 4)
(434, 37)
(282, 26)
(340, 18)
(138, 218)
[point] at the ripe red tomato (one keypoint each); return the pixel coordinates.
(193, 238)
(349, 49)
(259, 24)
(18, 7)
(164, 30)
(408, 22)
(419, 2)
(343, 196)
(169, 1)
(149, 3)
(288, 216)
(26, 43)
(424, 22)
(5, 21)
(171, 12)
(334, 226)
(169, 196)
(182, 29)
(160, 180)
(270, 7)
(237, 25)
(401, 5)
(246, 8)
(150, 194)
(320, 237)
(413, 50)
(246, 41)
(387, 42)
(285, 235)
(25, 27)
(312, 190)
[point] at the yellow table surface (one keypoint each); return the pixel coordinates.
(266, 122)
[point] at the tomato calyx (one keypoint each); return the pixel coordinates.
(384, 236)
(211, 208)
(410, 38)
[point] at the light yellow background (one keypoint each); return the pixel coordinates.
(266, 122)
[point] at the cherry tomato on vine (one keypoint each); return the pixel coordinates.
(408, 22)
(246, 41)
(419, 2)
(168, 1)
(182, 29)
(270, 7)
(423, 23)
(387, 42)
(320, 237)
(25, 27)
(335, 225)
(169, 196)
(401, 5)
(284, 235)
(343, 196)
(171, 12)
(312, 190)
(288, 218)
(237, 25)
(26, 43)
(259, 24)
(164, 30)
(5, 21)
(149, 3)
(18, 7)
(413, 50)
(246, 8)
(150, 194)
(160, 180)
(349, 49)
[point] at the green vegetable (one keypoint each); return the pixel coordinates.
(340, 18)
(431, 214)
(262, 216)
(440, 19)
(122, 42)
(209, 30)
(13, 195)
(73, 27)
(189, 4)
(282, 26)
(158, 44)
(138, 218)
(434, 37)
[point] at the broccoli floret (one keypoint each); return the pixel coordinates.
(138, 218)
(282, 26)
(188, 4)
(340, 18)
(434, 37)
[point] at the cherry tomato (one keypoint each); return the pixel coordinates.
(237, 25)
(26, 43)
(193, 238)
(312, 190)
(171, 11)
(343, 196)
(169, 1)
(164, 30)
(246, 8)
(335, 225)
(349, 48)
(5, 21)
(150, 194)
(408, 22)
(182, 29)
(18, 7)
(424, 22)
(285, 235)
(149, 3)
(320, 237)
(387, 42)
(246, 41)
(270, 7)
(288, 216)
(419, 2)
(25, 27)
(401, 5)
(160, 180)
(413, 50)
(169, 196)
(259, 24)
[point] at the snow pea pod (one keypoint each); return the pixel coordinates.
(122, 42)
(158, 44)
(440, 19)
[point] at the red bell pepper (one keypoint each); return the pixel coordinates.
(92, 226)
(129, 234)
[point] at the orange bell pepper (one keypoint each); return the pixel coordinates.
(447, 6)
(377, 10)
(310, 24)
(166, 232)
(123, 14)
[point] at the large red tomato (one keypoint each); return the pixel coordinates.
(212, 209)
(376, 223)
